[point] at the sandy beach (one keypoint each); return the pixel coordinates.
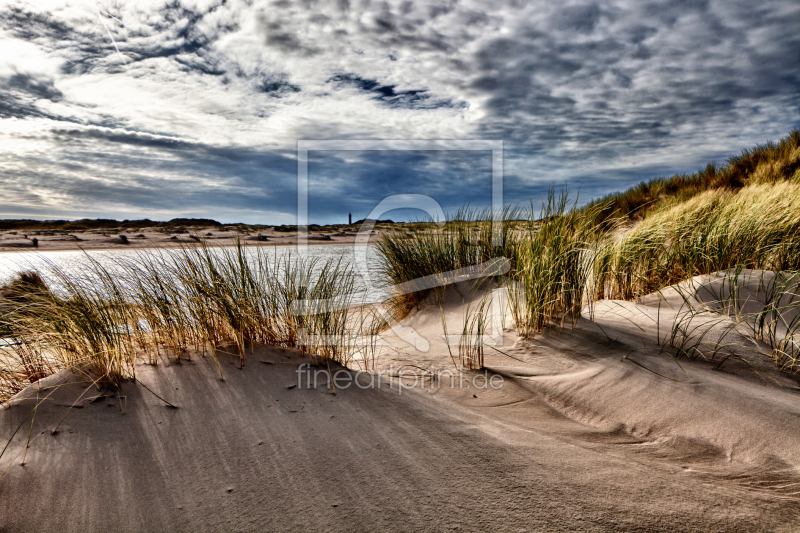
(576, 438)
(152, 238)
(399, 266)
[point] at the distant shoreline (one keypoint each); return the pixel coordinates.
(166, 246)
(96, 240)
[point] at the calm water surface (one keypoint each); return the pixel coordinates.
(71, 261)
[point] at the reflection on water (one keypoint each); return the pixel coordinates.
(70, 262)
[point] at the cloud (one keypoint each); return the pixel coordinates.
(96, 170)
(379, 174)
(110, 105)
(389, 95)
(37, 88)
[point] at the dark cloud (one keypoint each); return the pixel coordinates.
(13, 107)
(31, 26)
(278, 36)
(389, 94)
(580, 18)
(20, 92)
(598, 95)
(452, 178)
(37, 88)
(276, 86)
(385, 93)
(121, 137)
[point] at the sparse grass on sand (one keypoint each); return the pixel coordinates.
(565, 258)
(739, 308)
(174, 303)
(562, 258)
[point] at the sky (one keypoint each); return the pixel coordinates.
(194, 108)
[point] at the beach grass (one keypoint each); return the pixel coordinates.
(466, 238)
(757, 227)
(562, 257)
(172, 303)
(767, 163)
(554, 262)
(565, 257)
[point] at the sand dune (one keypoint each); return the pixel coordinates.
(579, 437)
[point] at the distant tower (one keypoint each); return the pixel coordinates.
(349, 219)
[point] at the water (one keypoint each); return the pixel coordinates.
(361, 257)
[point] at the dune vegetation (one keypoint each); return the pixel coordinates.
(174, 303)
(766, 163)
(562, 258)
(756, 227)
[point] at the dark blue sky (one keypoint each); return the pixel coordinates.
(194, 108)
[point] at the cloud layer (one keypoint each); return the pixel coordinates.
(194, 108)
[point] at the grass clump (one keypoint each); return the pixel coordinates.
(172, 303)
(550, 254)
(766, 306)
(465, 239)
(757, 228)
(85, 326)
(737, 314)
(554, 261)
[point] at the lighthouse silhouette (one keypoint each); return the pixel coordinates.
(349, 219)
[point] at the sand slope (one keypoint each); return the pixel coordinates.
(576, 439)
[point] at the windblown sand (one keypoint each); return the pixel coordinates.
(579, 437)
